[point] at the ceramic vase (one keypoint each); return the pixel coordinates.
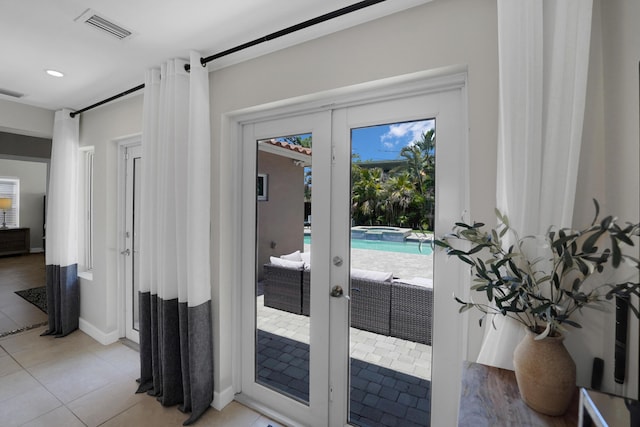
(546, 374)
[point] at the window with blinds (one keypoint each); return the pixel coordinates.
(10, 189)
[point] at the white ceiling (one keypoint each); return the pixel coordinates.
(36, 35)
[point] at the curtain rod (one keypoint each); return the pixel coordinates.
(292, 29)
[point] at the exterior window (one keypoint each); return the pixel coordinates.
(9, 202)
(87, 205)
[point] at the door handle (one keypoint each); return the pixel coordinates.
(338, 292)
(126, 252)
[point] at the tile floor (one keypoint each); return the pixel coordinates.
(75, 381)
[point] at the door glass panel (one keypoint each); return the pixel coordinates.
(392, 217)
(135, 259)
(283, 245)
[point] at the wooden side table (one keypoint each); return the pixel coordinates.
(490, 397)
(15, 241)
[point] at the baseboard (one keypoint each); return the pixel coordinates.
(97, 334)
(36, 250)
(222, 399)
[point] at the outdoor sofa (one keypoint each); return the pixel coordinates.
(398, 308)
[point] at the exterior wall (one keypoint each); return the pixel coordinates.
(33, 185)
(281, 216)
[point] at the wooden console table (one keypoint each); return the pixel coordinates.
(490, 397)
(14, 241)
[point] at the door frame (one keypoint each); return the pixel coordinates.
(450, 353)
(123, 144)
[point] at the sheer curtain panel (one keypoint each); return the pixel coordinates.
(63, 293)
(543, 48)
(176, 350)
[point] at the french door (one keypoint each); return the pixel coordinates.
(307, 322)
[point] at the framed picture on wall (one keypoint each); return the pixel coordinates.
(262, 186)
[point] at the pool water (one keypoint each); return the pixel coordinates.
(377, 245)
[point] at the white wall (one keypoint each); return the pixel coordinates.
(102, 127)
(33, 185)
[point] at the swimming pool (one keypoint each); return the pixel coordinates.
(408, 247)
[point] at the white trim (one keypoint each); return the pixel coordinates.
(104, 338)
(86, 275)
(122, 144)
(222, 399)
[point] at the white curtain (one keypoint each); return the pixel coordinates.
(543, 61)
(176, 351)
(63, 294)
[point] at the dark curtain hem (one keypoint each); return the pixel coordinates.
(200, 360)
(63, 299)
(176, 354)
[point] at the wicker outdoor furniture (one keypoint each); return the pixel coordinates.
(389, 308)
(283, 288)
(411, 312)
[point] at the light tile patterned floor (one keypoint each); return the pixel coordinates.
(75, 381)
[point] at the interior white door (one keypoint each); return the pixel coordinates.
(133, 175)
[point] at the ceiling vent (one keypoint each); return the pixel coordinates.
(11, 93)
(103, 24)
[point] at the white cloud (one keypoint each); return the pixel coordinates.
(406, 133)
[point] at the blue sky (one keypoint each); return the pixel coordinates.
(384, 142)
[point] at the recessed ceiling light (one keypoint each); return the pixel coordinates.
(54, 73)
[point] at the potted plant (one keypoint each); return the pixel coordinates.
(541, 282)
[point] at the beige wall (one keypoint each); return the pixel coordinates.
(281, 216)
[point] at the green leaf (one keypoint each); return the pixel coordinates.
(572, 323)
(463, 225)
(606, 223)
(589, 245)
(616, 254)
(597, 206)
(467, 260)
(441, 243)
(623, 237)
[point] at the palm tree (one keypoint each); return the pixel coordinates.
(399, 193)
(366, 193)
